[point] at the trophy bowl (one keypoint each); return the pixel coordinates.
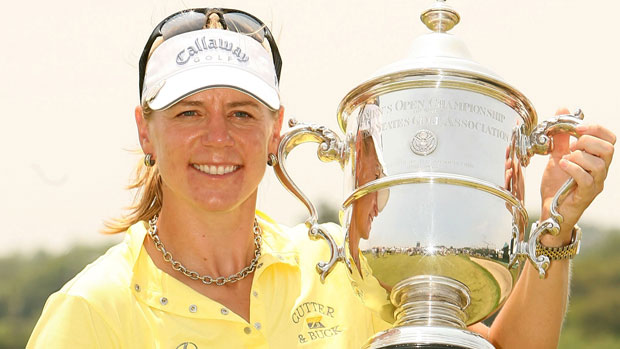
(433, 154)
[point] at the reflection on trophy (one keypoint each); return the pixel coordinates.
(369, 166)
(434, 213)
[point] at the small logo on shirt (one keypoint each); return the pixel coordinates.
(318, 319)
(187, 345)
(315, 322)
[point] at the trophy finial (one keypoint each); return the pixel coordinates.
(440, 17)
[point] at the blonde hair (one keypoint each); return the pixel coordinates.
(147, 200)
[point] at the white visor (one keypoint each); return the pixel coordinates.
(209, 58)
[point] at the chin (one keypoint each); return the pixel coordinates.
(218, 202)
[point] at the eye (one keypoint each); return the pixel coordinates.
(187, 113)
(241, 115)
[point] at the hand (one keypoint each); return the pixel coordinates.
(587, 162)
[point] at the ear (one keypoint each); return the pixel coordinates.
(143, 131)
(275, 134)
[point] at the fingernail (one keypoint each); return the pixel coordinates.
(581, 128)
(563, 163)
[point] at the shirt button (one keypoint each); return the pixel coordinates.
(259, 265)
(193, 308)
(163, 300)
(224, 311)
(137, 287)
(247, 330)
(255, 294)
(257, 325)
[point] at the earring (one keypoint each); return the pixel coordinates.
(272, 160)
(148, 160)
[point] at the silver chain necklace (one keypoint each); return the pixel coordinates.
(206, 279)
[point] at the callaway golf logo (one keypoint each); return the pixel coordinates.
(211, 45)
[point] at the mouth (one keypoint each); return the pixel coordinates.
(216, 170)
(372, 215)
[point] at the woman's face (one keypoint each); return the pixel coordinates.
(365, 209)
(211, 147)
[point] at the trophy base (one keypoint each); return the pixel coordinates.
(429, 314)
(426, 337)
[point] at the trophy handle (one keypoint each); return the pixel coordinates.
(331, 148)
(540, 142)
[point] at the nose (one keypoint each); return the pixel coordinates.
(217, 131)
(375, 206)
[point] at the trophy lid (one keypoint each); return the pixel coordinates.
(438, 49)
(437, 59)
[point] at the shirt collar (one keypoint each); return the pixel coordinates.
(162, 291)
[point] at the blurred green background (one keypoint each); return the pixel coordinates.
(593, 319)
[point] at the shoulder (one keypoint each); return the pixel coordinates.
(102, 288)
(299, 236)
(295, 239)
(83, 311)
(111, 271)
(72, 321)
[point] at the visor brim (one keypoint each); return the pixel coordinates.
(204, 77)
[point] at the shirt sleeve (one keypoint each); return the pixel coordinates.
(69, 321)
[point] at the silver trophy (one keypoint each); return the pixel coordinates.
(434, 214)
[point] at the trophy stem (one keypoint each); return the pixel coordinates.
(427, 300)
(430, 314)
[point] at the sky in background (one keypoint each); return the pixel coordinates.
(69, 87)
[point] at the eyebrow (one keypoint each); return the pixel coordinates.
(230, 105)
(191, 103)
(250, 103)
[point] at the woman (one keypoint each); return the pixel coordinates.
(211, 271)
(200, 267)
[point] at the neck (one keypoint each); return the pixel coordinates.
(211, 243)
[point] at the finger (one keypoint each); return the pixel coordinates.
(584, 180)
(590, 163)
(595, 146)
(507, 179)
(508, 163)
(562, 110)
(561, 145)
(597, 131)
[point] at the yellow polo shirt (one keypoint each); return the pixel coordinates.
(122, 300)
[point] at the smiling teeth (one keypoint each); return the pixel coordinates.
(215, 170)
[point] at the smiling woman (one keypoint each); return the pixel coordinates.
(199, 263)
(200, 267)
